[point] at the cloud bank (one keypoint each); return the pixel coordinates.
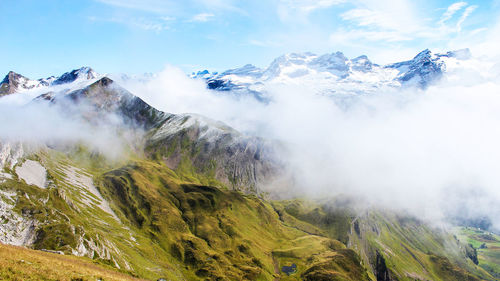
(39, 123)
(435, 153)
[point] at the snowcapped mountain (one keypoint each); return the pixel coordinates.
(334, 74)
(426, 67)
(13, 82)
(84, 73)
(16, 83)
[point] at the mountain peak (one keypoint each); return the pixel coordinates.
(247, 69)
(423, 55)
(105, 81)
(80, 73)
(12, 82)
(11, 77)
(422, 70)
(335, 61)
(105, 96)
(362, 63)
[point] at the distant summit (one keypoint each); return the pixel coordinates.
(81, 73)
(14, 82)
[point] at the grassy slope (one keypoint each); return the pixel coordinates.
(409, 249)
(171, 224)
(487, 245)
(217, 233)
(176, 225)
(17, 263)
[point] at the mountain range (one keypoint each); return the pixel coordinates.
(184, 201)
(335, 74)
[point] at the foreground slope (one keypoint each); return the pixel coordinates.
(144, 219)
(18, 263)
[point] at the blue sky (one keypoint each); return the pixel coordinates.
(42, 38)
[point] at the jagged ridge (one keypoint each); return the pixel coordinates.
(333, 74)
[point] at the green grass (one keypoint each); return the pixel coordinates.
(17, 263)
(184, 224)
(489, 253)
(410, 248)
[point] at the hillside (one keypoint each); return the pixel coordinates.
(144, 218)
(18, 263)
(486, 245)
(183, 202)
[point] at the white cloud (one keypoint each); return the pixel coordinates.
(355, 35)
(401, 24)
(148, 24)
(488, 46)
(298, 10)
(464, 16)
(263, 43)
(414, 150)
(311, 5)
(41, 123)
(155, 6)
(373, 19)
(202, 17)
(172, 7)
(167, 18)
(220, 5)
(452, 9)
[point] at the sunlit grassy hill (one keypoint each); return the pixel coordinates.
(18, 263)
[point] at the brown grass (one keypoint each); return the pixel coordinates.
(18, 263)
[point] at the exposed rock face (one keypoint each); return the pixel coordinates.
(471, 253)
(81, 73)
(381, 271)
(14, 228)
(10, 153)
(424, 69)
(104, 101)
(239, 161)
(13, 82)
